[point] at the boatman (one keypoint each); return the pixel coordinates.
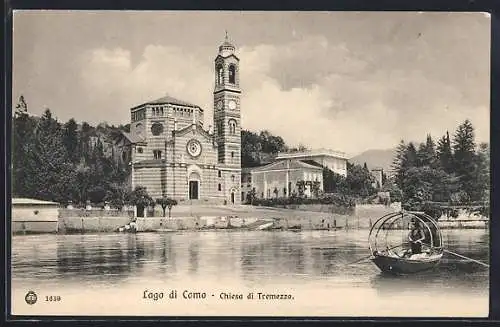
(416, 236)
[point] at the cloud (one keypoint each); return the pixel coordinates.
(308, 91)
(108, 75)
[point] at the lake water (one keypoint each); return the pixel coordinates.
(121, 274)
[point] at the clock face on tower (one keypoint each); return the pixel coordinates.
(219, 104)
(232, 105)
(194, 148)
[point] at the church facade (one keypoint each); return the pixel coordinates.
(173, 155)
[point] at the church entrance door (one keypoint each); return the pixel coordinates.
(193, 190)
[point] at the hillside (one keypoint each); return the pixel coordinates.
(375, 158)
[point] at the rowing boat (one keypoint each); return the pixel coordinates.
(398, 258)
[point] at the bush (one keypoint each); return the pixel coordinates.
(432, 210)
(337, 200)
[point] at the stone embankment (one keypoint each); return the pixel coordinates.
(235, 218)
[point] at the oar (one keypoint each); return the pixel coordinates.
(447, 251)
(467, 258)
(359, 260)
(462, 256)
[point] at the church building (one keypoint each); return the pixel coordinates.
(172, 154)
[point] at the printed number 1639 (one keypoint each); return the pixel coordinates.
(53, 298)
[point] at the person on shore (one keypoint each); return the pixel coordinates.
(416, 236)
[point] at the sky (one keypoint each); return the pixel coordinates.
(347, 81)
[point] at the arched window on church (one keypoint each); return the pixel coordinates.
(232, 127)
(220, 74)
(232, 74)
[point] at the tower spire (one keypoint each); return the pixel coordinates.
(226, 35)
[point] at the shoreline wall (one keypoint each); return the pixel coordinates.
(362, 218)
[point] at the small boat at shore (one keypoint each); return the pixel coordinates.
(266, 226)
(388, 240)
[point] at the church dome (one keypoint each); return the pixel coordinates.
(226, 47)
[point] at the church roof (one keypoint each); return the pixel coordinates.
(133, 138)
(168, 100)
(199, 129)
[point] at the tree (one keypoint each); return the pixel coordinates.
(426, 155)
(23, 128)
(253, 146)
(251, 196)
(165, 202)
(408, 160)
(50, 173)
(70, 139)
(301, 185)
(394, 190)
(359, 181)
(21, 107)
(482, 176)
(300, 148)
(250, 149)
(444, 153)
(424, 184)
(464, 157)
(97, 194)
(84, 140)
(333, 182)
(410, 157)
(399, 157)
(140, 198)
(316, 188)
(116, 194)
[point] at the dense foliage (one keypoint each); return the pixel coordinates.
(455, 171)
(358, 182)
(339, 203)
(64, 162)
(258, 149)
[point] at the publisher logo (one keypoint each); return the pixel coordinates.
(30, 298)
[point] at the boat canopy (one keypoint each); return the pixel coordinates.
(391, 231)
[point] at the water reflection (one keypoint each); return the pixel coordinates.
(98, 256)
(194, 257)
(244, 256)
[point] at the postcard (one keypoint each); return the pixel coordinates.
(245, 163)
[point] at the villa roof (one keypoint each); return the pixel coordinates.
(168, 100)
(311, 153)
(285, 164)
(312, 162)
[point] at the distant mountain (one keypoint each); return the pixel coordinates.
(375, 158)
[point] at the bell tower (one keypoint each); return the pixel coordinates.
(227, 121)
(227, 114)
